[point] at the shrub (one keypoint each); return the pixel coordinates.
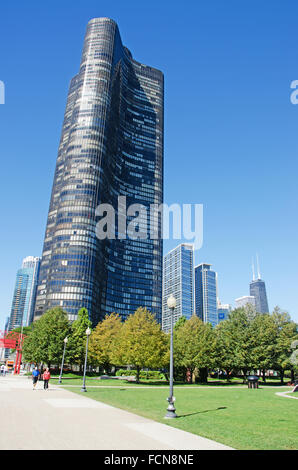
(144, 374)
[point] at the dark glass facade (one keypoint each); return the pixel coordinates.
(111, 145)
(258, 291)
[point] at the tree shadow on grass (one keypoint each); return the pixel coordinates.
(200, 412)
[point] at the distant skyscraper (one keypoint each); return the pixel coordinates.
(111, 146)
(178, 280)
(257, 289)
(245, 300)
(223, 311)
(24, 296)
(206, 293)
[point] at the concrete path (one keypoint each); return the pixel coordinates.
(58, 419)
(288, 395)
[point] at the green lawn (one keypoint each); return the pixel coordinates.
(238, 417)
(93, 382)
(72, 379)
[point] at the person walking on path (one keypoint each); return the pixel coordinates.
(35, 375)
(46, 378)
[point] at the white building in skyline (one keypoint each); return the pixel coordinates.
(245, 300)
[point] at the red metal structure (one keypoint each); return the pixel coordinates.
(13, 340)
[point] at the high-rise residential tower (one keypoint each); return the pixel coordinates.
(23, 303)
(111, 146)
(206, 293)
(178, 280)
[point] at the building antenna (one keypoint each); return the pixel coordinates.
(259, 275)
(253, 270)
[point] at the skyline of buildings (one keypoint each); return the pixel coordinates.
(203, 283)
(177, 265)
(111, 145)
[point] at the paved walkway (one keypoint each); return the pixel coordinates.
(288, 394)
(59, 419)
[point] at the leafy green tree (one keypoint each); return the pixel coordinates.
(194, 346)
(233, 347)
(263, 342)
(141, 342)
(76, 345)
(287, 332)
(104, 341)
(224, 347)
(180, 322)
(45, 343)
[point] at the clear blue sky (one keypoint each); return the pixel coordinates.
(231, 132)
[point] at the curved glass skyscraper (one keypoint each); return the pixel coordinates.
(111, 145)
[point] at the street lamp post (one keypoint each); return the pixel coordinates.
(83, 389)
(171, 408)
(61, 371)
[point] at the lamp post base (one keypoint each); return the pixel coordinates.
(171, 412)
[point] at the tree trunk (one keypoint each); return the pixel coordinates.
(203, 375)
(282, 373)
(138, 375)
(264, 376)
(188, 376)
(292, 375)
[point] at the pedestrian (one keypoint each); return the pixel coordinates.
(46, 377)
(35, 375)
(2, 369)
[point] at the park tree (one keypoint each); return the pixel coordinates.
(180, 322)
(141, 342)
(180, 371)
(224, 348)
(233, 348)
(76, 345)
(45, 343)
(287, 333)
(263, 342)
(194, 346)
(104, 341)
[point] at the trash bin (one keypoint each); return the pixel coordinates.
(253, 381)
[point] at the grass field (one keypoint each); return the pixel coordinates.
(72, 379)
(239, 417)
